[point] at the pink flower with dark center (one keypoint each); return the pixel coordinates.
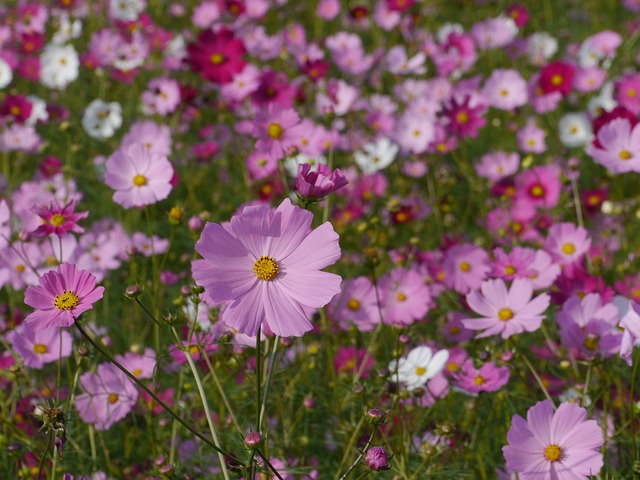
(138, 176)
(539, 186)
(557, 77)
(58, 220)
(218, 56)
(267, 264)
(560, 445)
(463, 118)
(506, 312)
(63, 295)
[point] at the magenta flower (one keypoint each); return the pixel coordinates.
(539, 186)
(277, 130)
(377, 458)
(404, 296)
(266, 263)
(58, 220)
(62, 296)
(109, 396)
(465, 267)
(506, 312)
(315, 185)
(550, 445)
(567, 243)
(138, 176)
(489, 378)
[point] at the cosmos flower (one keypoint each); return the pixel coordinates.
(63, 295)
(109, 396)
(217, 56)
(506, 312)
(138, 176)
(560, 445)
(58, 220)
(418, 367)
(267, 263)
(38, 348)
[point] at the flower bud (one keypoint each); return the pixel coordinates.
(132, 292)
(376, 416)
(253, 440)
(377, 458)
(175, 215)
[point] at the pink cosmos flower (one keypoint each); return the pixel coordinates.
(560, 445)
(40, 347)
(465, 267)
(404, 296)
(531, 138)
(505, 89)
(539, 186)
(109, 396)
(618, 146)
(567, 243)
(315, 185)
(506, 312)
(267, 263)
(496, 165)
(489, 378)
(140, 366)
(138, 176)
(63, 295)
(58, 220)
(515, 264)
(356, 305)
(277, 130)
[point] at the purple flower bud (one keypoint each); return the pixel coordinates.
(318, 184)
(253, 440)
(376, 416)
(377, 458)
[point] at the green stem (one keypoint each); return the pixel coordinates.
(153, 395)
(535, 375)
(271, 467)
(355, 464)
(258, 380)
(632, 404)
(272, 360)
(44, 455)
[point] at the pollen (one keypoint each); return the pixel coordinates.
(216, 59)
(509, 270)
(40, 348)
(401, 297)
(139, 180)
(137, 372)
(479, 380)
(465, 266)
(353, 304)
(462, 117)
(553, 453)
(15, 110)
(505, 314)
(625, 155)
(66, 301)
(568, 248)
(537, 191)
(420, 371)
(57, 220)
(113, 398)
(631, 93)
(557, 79)
(274, 130)
(266, 268)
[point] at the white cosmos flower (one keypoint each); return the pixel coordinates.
(38, 110)
(6, 74)
(59, 66)
(603, 101)
(127, 10)
(418, 367)
(67, 30)
(575, 130)
(291, 163)
(376, 156)
(102, 119)
(541, 47)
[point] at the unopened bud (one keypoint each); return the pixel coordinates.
(253, 440)
(132, 292)
(376, 416)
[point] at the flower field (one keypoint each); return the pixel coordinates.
(271, 239)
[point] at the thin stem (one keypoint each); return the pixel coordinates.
(153, 395)
(272, 360)
(44, 455)
(205, 405)
(271, 467)
(587, 380)
(632, 403)
(355, 464)
(258, 380)
(535, 374)
(146, 310)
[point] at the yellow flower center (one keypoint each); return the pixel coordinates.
(20, 268)
(113, 398)
(420, 371)
(591, 343)
(57, 220)
(453, 367)
(401, 297)
(556, 79)
(465, 266)
(40, 348)
(568, 248)
(139, 180)
(353, 304)
(15, 110)
(631, 93)
(454, 330)
(217, 59)
(137, 372)
(66, 301)
(479, 380)
(553, 453)
(625, 155)
(505, 314)
(275, 131)
(537, 191)
(504, 92)
(266, 268)
(462, 117)
(509, 270)
(194, 350)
